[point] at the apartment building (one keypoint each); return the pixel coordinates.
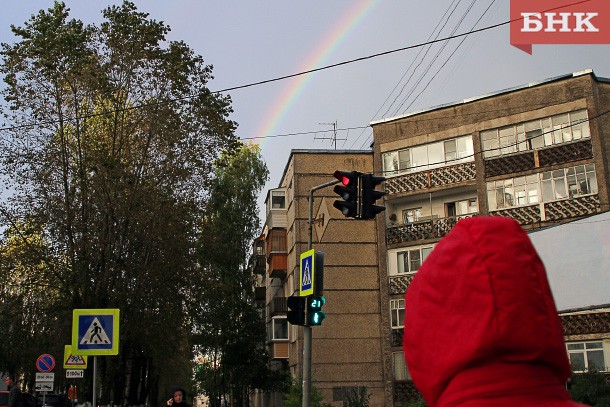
(536, 153)
(347, 349)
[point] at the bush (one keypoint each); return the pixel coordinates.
(590, 388)
(358, 397)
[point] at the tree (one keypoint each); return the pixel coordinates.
(229, 330)
(112, 135)
(590, 388)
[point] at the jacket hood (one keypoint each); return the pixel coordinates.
(480, 319)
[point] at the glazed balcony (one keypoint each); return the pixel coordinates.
(544, 157)
(277, 254)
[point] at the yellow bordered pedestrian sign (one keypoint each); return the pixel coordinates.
(95, 332)
(307, 273)
(73, 361)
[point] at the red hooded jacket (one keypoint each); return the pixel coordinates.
(481, 327)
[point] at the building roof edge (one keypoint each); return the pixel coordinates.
(491, 94)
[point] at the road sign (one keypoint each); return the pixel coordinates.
(45, 363)
(43, 386)
(75, 374)
(73, 361)
(307, 273)
(45, 377)
(95, 332)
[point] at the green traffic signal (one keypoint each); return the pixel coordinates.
(315, 316)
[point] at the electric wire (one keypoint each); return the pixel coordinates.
(436, 56)
(267, 81)
(252, 84)
(409, 68)
(438, 70)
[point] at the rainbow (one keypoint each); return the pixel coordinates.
(316, 59)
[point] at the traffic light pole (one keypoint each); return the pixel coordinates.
(307, 334)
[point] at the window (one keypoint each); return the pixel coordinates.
(397, 313)
(535, 134)
(409, 261)
(279, 328)
(411, 215)
(460, 208)
(278, 200)
(545, 187)
(586, 356)
(426, 156)
(399, 365)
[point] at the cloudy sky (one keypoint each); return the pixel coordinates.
(253, 41)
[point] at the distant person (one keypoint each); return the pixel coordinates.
(481, 327)
(178, 398)
(15, 398)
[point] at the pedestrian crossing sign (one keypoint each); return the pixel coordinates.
(307, 274)
(73, 361)
(95, 332)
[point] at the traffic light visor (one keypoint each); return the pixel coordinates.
(345, 177)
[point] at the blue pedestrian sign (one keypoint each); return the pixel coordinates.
(95, 332)
(307, 273)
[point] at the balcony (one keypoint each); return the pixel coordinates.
(277, 254)
(278, 306)
(553, 211)
(260, 295)
(400, 283)
(259, 264)
(280, 350)
(422, 230)
(437, 177)
(278, 265)
(544, 157)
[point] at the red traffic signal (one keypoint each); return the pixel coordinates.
(349, 192)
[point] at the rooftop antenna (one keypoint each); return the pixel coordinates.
(334, 137)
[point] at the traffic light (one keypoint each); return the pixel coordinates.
(368, 183)
(296, 310)
(349, 192)
(314, 310)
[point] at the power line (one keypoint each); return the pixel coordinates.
(440, 68)
(280, 78)
(410, 66)
(263, 82)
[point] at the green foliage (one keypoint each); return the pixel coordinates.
(590, 388)
(417, 402)
(358, 397)
(228, 331)
(293, 397)
(109, 187)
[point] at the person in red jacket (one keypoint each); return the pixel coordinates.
(481, 327)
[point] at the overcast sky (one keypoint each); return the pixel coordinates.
(252, 41)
